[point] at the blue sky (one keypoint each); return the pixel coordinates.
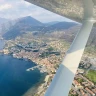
(13, 9)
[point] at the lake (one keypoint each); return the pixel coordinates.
(14, 79)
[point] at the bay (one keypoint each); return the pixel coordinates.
(14, 79)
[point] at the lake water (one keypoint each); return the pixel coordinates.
(14, 79)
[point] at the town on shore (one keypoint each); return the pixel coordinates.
(48, 54)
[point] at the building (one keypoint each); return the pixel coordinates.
(89, 91)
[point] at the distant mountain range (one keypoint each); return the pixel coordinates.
(30, 24)
(21, 26)
(60, 30)
(59, 26)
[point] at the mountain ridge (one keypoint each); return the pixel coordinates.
(22, 24)
(30, 24)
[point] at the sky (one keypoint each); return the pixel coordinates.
(13, 9)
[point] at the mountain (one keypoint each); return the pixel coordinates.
(28, 23)
(51, 23)
(63, 25)
(69, 35)
(60, 30)
(59, 26)
(22, 25)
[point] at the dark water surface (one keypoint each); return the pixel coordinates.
(14, 79)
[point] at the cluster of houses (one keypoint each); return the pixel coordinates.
(82, 86)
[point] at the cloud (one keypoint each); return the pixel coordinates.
(13, 9)
(5, 6)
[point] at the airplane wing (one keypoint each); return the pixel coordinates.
(83, 11)
(72, 9)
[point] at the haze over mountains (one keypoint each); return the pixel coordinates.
(3, 20)
(60, 30)
(21, 26)
(30, 24)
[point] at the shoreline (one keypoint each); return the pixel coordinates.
(34, 89)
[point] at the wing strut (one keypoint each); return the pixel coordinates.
(62, 81)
